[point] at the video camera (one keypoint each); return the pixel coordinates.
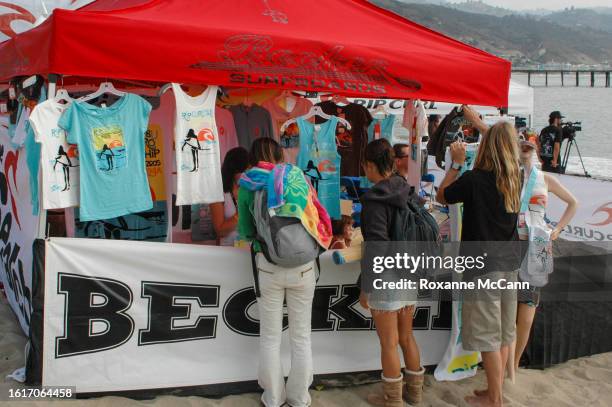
(520, 122)
(569, 129)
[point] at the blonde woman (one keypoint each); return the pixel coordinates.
(544, 183)
(490, 194)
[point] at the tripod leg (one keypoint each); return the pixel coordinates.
(566, 153)
(586, 174)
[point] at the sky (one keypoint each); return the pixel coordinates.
(547, 4)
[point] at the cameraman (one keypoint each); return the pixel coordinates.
(550, 143)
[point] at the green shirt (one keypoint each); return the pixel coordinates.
(246, 222)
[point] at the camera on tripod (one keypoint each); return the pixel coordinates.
(569, 129)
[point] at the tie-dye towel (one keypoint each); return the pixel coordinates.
(291, 195)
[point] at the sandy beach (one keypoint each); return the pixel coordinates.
(580, 382)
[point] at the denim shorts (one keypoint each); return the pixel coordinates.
(531, 297)
(389, 306)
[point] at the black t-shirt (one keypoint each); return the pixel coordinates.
(351, 143)
(484, 213)
(548, 137)
(485, 220)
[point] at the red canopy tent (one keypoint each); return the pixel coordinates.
(342, 46)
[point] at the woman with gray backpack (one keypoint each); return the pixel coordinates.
(278, 211)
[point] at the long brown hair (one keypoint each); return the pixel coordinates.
(498, 153)
(265, 149)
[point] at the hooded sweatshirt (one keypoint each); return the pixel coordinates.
(378, 206)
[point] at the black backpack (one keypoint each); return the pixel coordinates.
(416, 232)
(413, 223)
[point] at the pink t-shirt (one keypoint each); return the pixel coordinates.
(280, 115)
(226, 129)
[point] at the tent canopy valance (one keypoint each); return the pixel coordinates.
(342, 46)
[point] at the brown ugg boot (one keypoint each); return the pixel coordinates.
(391, 393)
(413, 391)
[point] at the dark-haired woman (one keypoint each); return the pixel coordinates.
(225, 214)
(392, 314)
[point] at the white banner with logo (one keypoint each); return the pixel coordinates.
(593, 219)
(18, 229)
(126, 315)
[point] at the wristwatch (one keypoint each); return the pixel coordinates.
(456, 166)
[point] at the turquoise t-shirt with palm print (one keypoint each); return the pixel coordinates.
(111, 153)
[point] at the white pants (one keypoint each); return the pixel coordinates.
(296, 286)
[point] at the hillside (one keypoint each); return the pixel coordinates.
(522, 39)
(480, 7)
(583, 19)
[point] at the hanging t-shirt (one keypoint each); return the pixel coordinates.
(289, 140)
(157, 140)
(382, 128)
(226, 129)
(351, 143)
(151, 226)
(196, 140)
(59, 160)
(111, 152)
(415, 120)
(280, 114)
(252, 122)
(320, 161)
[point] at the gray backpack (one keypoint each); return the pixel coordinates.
(284, 241)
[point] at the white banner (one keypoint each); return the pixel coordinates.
(142, 315)
(593, 220)
(17, 231)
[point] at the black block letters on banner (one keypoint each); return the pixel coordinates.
(165, 312)
(90, 300)
(96, 315)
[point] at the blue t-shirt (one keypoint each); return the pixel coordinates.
(111, 155)
(319, 160)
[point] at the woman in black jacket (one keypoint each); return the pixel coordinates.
(391, 313)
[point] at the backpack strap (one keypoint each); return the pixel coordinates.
(318, 262)
(255, 272)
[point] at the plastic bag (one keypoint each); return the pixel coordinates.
(538, 261)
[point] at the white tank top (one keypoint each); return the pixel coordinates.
(196, 142)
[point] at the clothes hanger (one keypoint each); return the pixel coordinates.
(340, 100)
(105, 87)
(381, 109)
(315, 111)
(164, 88)
(62, 94)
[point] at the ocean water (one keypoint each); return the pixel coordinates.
(591, 106)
